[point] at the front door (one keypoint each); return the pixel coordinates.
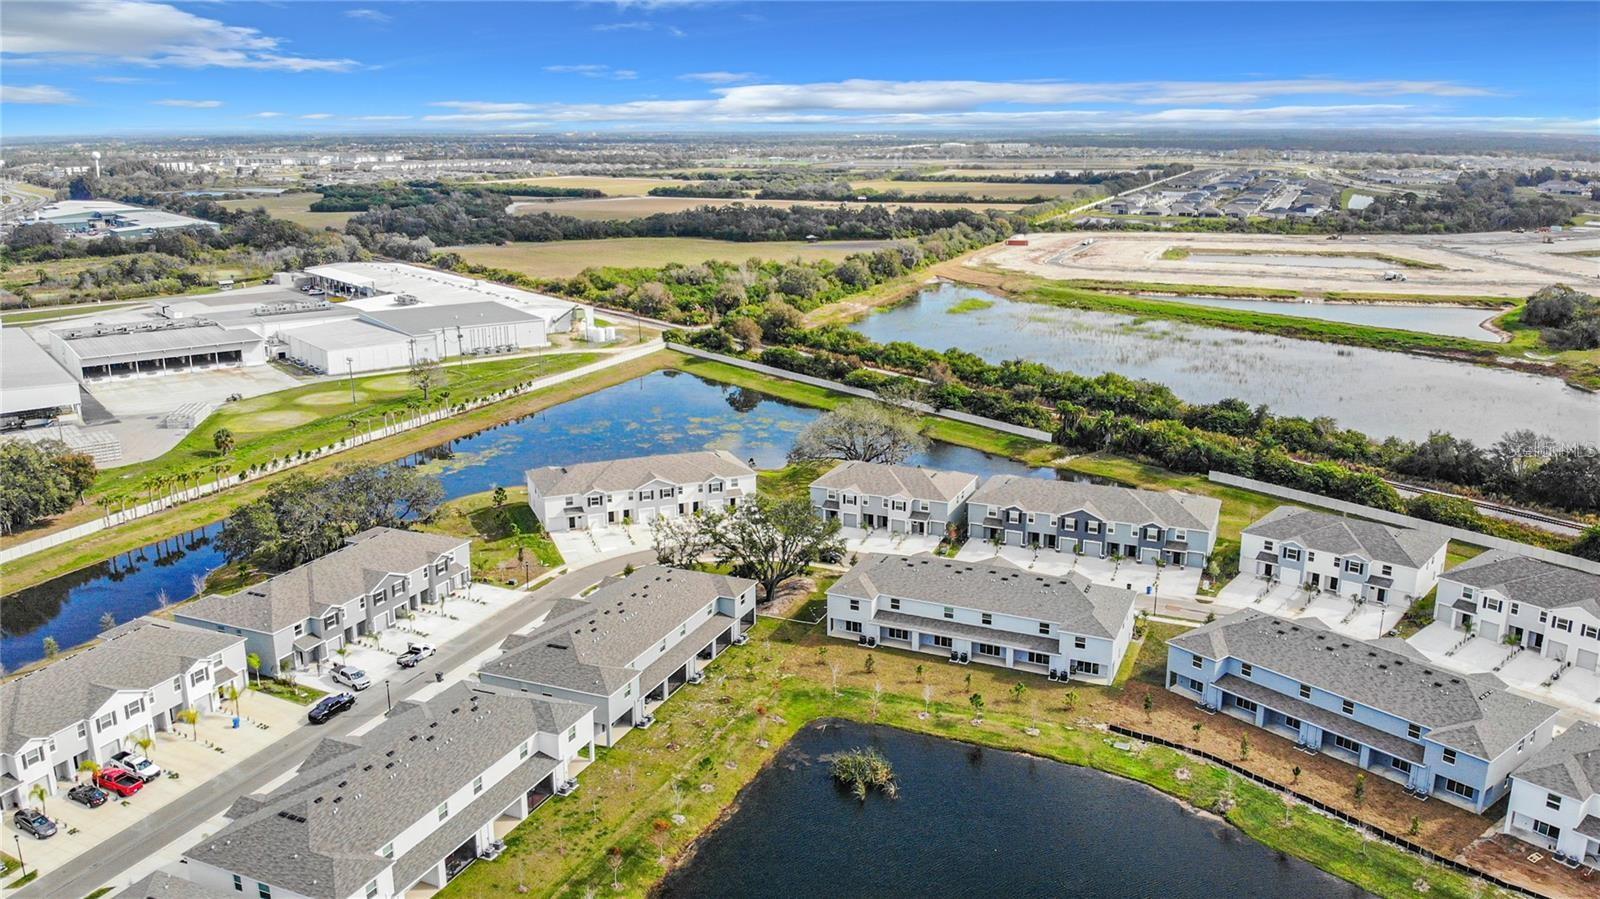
(1333, 584)
(1315, 580)
(1536, 640)
(1267, 568)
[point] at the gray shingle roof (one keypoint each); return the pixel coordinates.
(1337, 534)
(1530, 581)
(1570, 765)
(588, 645)
(628, 474)
(1072, 602)
(873, 479)
(1471, 713)
(338, 577)
(161, 885)
(1169, 509)
(320, 834)
(138, 655)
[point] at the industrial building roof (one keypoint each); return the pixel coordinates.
(417, 320)
(896, 480)
(123, 216)
(1470, 712)
(107, 345)
(1108, 503)
(436, 288)
(24, 365)
(1343, 536)
(349, 335)
(1073, 602)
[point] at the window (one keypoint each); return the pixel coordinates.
(1080, 642)
(378, 598)
(1590, 631)
(105, 721)
(1516, 609)
(594, 502)
(1354, 567)
(1266, 545)
(1291, 722)
(1291, 553)
(716, 487)
(1194, 661)
(1491, 604)
(1546, 830)
(1552, 801)
(1563, 624)
(572, 732)
(898, 505)
(949, 612)
(299, 631)
(1387, 570)
(83, 731)
(852, 627)
(1044, 627)
(1400, 765)
(439, 566)
(388, 851)
(177, 684)
(1090, 668)
(894, 602)
(372, 889)
(134, 708)
(1348, 707)
(197, 677)
(1544, 617)
(1414, 731)
(1449, 757)
(627, 690)
(522, 751)
(855, 605)
(987, 618)
(263, 891)
(1246, 669)
(1013, 516)
(849, 499)
(683, 629)
(988, 649)
(477, 783)
(1311, 556)
(1458, 788)
(1347, 744)
(943, 642)
(897, 633)
(238, 884)
(1245, 704)
(443, 811)
(1152, 533)
(1038, 658)
(33, 758)
(1096, 527)
(1305, 691)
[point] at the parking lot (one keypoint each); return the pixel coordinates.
(586, 547)
(195, 761)
(1524, 672)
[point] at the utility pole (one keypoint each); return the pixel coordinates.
(350, 367)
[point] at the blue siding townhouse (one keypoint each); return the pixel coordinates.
(1379, 705)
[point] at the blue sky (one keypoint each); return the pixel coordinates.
(82, 67)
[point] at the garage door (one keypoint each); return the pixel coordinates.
(1587, 660)
(646, 514)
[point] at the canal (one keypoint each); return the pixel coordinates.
(662, 412)
(975, 822)
(1381, 393)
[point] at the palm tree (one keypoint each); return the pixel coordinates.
(89, 767)
(253, 662)
(231, 694)
(40, 793)
(223, 440)
(144, 742)
(191, 718)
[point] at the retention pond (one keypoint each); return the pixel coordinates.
(975, 822)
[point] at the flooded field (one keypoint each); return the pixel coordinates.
(1380, 393)
(1452, 321)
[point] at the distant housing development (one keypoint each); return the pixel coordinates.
(1352, 557)
(302, 617)
(98, 218)
(995, 613)
(628, 646)
(1555, 796)
(897, 498)
(1378, 705)
(1550, 610)
(639, 489)
(93, 704)
(1065, 516)
(408, 804)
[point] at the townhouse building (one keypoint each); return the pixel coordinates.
(637, 490)
(629, 645)
(1555, 796)
(408, 804)
(1067, 516)
(301, 618)
(1378, 705)
(900, 499)
(1352, 557)
(90, 705)
(1542, 607)
(989, 612)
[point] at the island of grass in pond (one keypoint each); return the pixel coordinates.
(973, 821)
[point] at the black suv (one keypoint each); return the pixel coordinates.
(330, 706)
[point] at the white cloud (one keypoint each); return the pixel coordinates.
(317, 115)
(189, 104)
(380, 118)
(671, 30)
(718, 77)
(594, 70)
(36, 94)
(146, 33)
(369, 15)
(266, 115)
(120, 79)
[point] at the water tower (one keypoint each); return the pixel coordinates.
(96, 157)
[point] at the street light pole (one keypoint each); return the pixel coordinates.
(20, 862)
(350, 367)
(388, 699)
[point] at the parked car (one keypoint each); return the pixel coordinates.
(330, 706)
(351, 677)
(119, 781)
(138, 764)
(414, 654)
(88, 795)
(31, 820)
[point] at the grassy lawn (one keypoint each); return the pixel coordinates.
(565, 258)
(103, 545)
(34, 316)
(296, 693)
(293, 207)
(270, 426)
(657, 792)
(495, 542)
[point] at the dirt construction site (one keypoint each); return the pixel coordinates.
(1491, 264)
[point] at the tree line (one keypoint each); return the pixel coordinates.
(38, 480)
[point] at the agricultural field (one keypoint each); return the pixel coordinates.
(620, 186)
(982, 189)
(294, 207)
(565, 258)
(638, 207)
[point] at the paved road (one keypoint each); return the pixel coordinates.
(107, 863)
